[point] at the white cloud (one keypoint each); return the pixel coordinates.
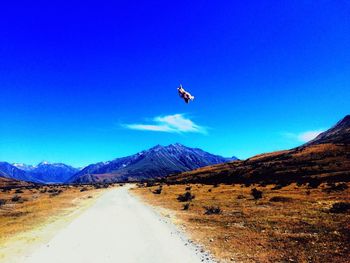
(308, 135)
(303, 136)
(176, 123)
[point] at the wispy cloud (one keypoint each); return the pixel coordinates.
(303, 136)
(308, 135)
(177, 123)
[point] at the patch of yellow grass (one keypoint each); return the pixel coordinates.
(37, 208)
(297, 229)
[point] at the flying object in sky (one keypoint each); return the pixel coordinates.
(184, 94)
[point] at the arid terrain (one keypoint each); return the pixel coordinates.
(294, 223)
(30, 207)
(88, 225)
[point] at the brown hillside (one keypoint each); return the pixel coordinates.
(7, 182)
(327, 158)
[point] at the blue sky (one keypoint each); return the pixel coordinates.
(88, 82)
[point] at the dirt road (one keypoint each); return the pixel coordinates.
(117, 228)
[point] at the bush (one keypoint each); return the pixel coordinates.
(256, 193)
(209, 190)
(212, 210)
(280, 199)
(186, 206)
(240, 197)
(336, 187)
(299, 183)
(186, 197)
(158, 191)
(188, 188)
(149, 184)
(84, 189)
(2, 202)
(55, 192)
(277, 187)
(314, 183)
(340, 207)
(18, 191)
(17, 199)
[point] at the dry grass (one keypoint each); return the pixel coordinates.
(37, 206)
(296, 226)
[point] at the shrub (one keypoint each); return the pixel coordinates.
(186, 206)
(280, 199)
(186, 197)
(256, 193)
(313, 183)
(158, 191)
(2, 202)
(18, 191)
(277, 187)
(149, 184)
(84, 189)
(212, 210)
(188, 188)
(336, 187)
(56, 192)
(17, 199)
(209, 190)
(240, 197)
(299, 183)
(340, 207)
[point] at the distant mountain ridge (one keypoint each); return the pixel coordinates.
(156, 162)
(44, 172)
(9, 171)
(53, 172)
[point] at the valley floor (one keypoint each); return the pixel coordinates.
(117, 228)
(287, 224)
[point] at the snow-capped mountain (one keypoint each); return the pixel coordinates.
(158, 161)
(24, 167)
(44, 172)
(53, 172)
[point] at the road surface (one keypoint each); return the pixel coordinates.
(117, 228)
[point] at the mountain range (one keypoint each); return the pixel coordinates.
(156, 162)
(44, 172)
(326, 158)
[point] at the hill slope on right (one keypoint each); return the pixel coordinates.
(324, 159)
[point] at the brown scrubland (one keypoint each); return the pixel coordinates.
(26, 206)
(260, 223)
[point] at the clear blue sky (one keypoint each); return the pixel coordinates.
(92, 81)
